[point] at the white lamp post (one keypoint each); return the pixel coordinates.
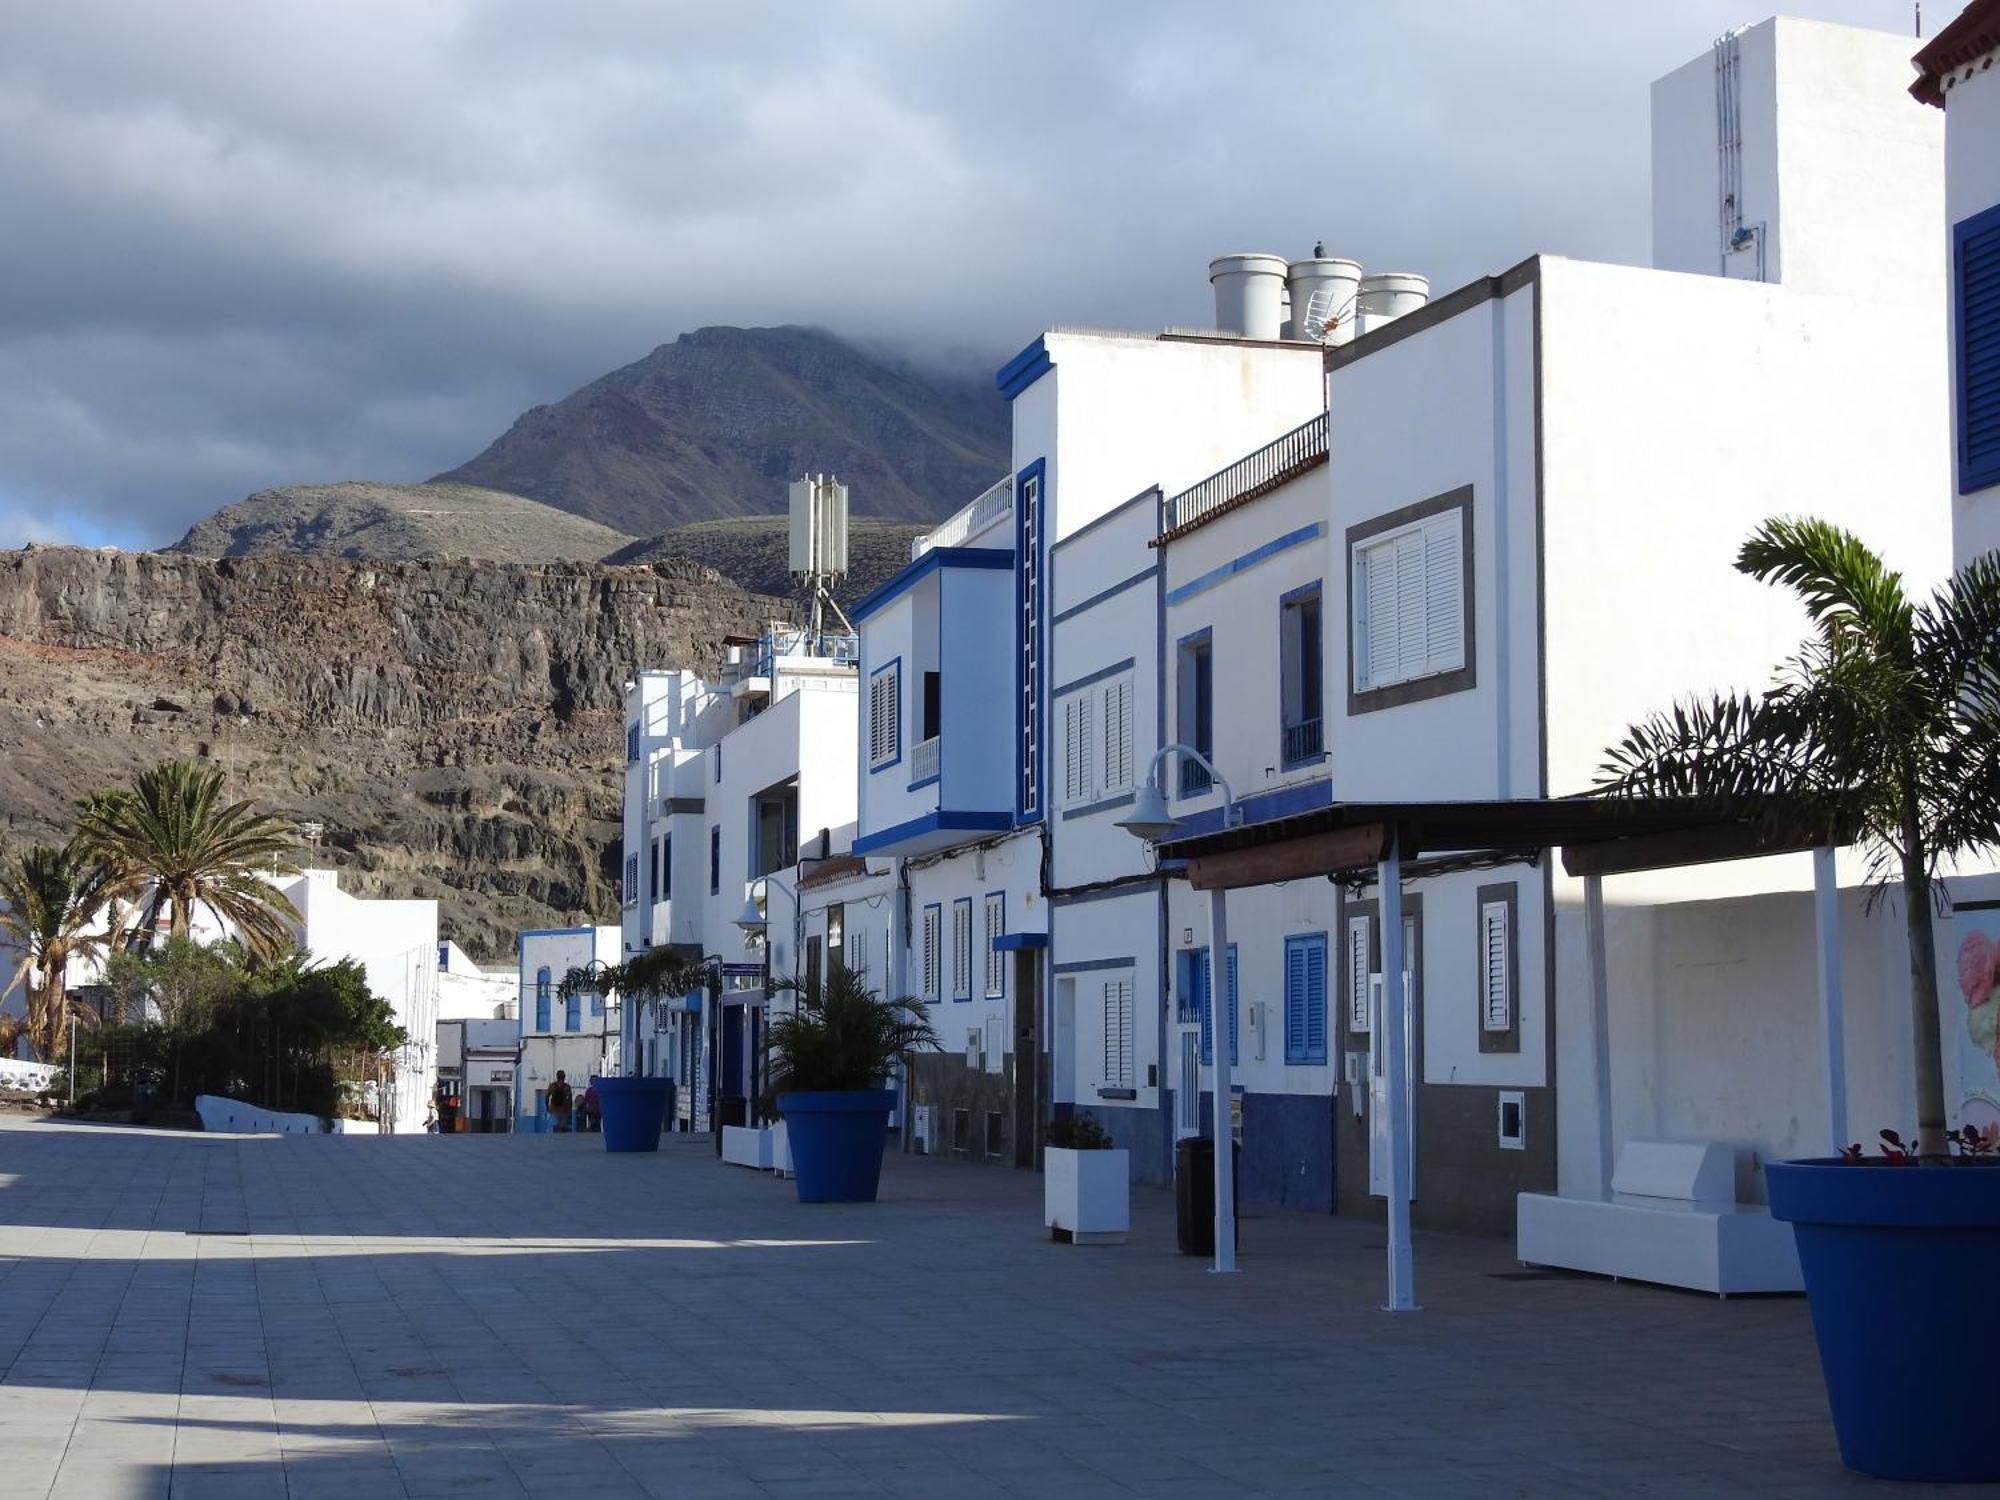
(1150, 820)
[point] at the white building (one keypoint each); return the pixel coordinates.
(477, 1059)
(466, 992)
(576, 1035)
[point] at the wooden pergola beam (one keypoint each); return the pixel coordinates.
(1291, 859)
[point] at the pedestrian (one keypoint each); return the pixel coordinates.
(593, 1109)
(559, 1103)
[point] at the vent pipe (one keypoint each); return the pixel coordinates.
(1333, 280)
(1386, 296)
(1249, 294)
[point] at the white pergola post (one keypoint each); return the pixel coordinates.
(1832, 1024)
(1395, 1004)
(1219, 1016)
(1600, 1024)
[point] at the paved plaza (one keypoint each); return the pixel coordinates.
(360, 1316)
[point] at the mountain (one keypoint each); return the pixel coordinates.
(721, 420)
(365, 519)
(755, 551)
(457, 727)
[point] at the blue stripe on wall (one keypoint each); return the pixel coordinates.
(1248, 560)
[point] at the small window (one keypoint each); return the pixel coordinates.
(996, 958)
(1301, 679)
(1360, 963)
(631, 892)
(1118, 1070)
(544, 988)
(1499, 970)
(1305, 998)
(715, 761)
(597, 1002)
(812, 964)
(961, 948)
(631, 742)
(1976, 295)
(715, 861)
(933, 706)
(885, 716)
(933, 922)
(1411, 630)
(1195, 681)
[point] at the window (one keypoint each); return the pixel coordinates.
(1079, 760)
(542, 993)
(1097, 739)
(1408, 582)
(1116, 767)
(961, 948)
(1361, 960)
(1499, 970)
(1976, 301)
(596, 1001)
(836, 936)
(1118, 1070)
(812, 964)
(1197, 973)
(572, 1013)
(933, 707)
(715, 761)
(774, 829)
(714, 860)
(1360, 966)
(996, 958)
(653, 871)
(885, 716)
(1301, 678)
(1305, 998)
(631, 742)
(855, 952)
(667, 868)
(631, 891)
(933, 921)
(1028, 549)
(1195, 681)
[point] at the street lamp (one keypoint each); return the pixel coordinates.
(1151, 821)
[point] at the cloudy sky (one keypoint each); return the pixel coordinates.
(259, 242)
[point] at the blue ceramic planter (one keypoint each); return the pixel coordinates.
(1898, 1264)
(634, 1110)
(837, 1141)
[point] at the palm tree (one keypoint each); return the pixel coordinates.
(1885, 724)
(173, 844)
(54, 898)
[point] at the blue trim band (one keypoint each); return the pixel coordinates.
(915, 572)
(1024, 369)
(1098, 598)
(936, 822)
(1010, 942)
(1283, 802)
(1098, 676)
(1097, 807)
(1088, 965)
(1248, 560)
(918, 786)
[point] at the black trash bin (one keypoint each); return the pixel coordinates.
(1194, 1193)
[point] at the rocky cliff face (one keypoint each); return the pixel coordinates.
(456, 726)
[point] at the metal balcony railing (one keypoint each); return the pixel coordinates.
(924, 760)
(985, 510)
(1194, 778)
(1270, 466)
(787, 641)
(1303, 742)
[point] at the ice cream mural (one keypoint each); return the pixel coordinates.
(1978, 1045)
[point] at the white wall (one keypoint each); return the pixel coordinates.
(594, 1044)
(1092, 933)
(1011, 866)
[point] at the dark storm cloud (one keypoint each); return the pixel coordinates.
(255, 244)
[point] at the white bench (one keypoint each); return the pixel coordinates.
(1672, 1218)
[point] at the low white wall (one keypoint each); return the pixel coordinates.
(234, 1117)
(26, 1076)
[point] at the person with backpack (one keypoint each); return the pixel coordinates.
(560, 1103)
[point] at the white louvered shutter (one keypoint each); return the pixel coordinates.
(931, 953)
(1358, 971)
(883, 715)
(1118, 1033)
(1496, 992)
(961, 950)
(1378, 616)
(1410, 603)
(996, 960)
(1444, 595)
(1117, 735)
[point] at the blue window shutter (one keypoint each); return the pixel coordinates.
(1316, 998)
(1976, 244)
(1295, 999)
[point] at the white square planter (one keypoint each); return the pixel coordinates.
(1087, 1195)
(747, 1146)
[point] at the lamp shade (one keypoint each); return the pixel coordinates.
(750, 919)
(1149, 818)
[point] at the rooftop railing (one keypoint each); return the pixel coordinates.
(788, 641)
(1270, 466)
(989, 507)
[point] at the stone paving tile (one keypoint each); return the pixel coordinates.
(185, 1315)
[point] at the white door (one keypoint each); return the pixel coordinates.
(1378, 1074)
(1187, 1081)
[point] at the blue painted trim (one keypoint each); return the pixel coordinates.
(1137, 888)
(930, 780)
(1098, 598)
(1024, 369)
(528, 932)
(893, 664)
(1117, 510)
(1009, 942)
(1986, 474)
(1087, 965)
(1303, 591)
(935, 822)
(924, 980)
(1098, 676)
(913, 573)
(1248, 560)
(1125, 800)
(966, 902)
(1025, 812)
(1282, 802)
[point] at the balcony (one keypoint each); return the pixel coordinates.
(924, 761)
(1258, 473)
(989, 509)
(1303, 742)
(750, 666)
(1195, 779)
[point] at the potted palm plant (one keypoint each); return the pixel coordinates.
(827, 1059)
(1086, 1183)
(635, 1107)
(1886, 723)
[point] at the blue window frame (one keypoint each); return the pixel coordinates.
(631, 742)
(1305, 998)
(1975, 264)
(1029, 506)
(715, 859)
(572, 1013)
(1194, 984)
(1194, 683)
(542, 992)
(885, 716)
(1301, 678)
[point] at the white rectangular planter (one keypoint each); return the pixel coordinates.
(747, 1146)
(1087, 1195)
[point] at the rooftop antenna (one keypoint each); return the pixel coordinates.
(819, 549)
